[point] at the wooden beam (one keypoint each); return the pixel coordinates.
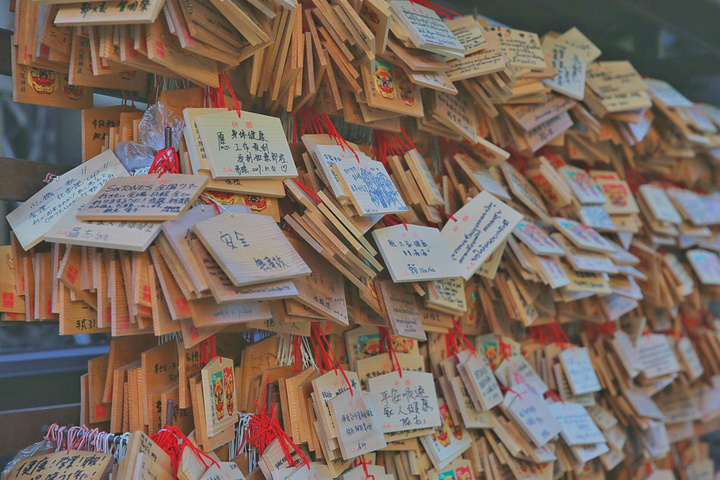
(21, 179)
(24, 427)
(5, 46)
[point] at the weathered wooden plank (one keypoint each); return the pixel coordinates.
(20, 179)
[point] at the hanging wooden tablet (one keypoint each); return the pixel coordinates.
(218, 387)
(357, 423)
(659, 203)
(414, 253)
(612, 78)
(393, 417)
(131, 236)
(107, 13)
(388, 87)
(247, 146)
(144, 197)
(582, 236)
(579, 370)
(524, 190)
(69, 463)
(426, 29)
(36, 217)
(268, 254)
(447, 441)
(369, 186)
(478, 229)
(570, 62)
(537, 239)
(402, 311)
(706, 265)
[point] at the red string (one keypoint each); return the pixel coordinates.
(315, 349)
(446, 215)
(440, 10)
(205, 345)
(464, 340)
(224, 79)
(508, 389)
(328, 351)
(209, 201)
(173, 442)
(394, 220)
(505, 350)
(451, 345)
(596, 330)
(166, 161)
(634, 179)
(364, 464)
(334, 134)
(264, 428)
(554, 396)
(408, 140)
(308, 190)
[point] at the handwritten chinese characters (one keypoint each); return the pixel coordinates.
(369, 187)
(478, 229)
(578, 427)
(34, 218)
(251, 249)
(66, 464)
(132, 236)
(357, 423)
(414, 253)
(248, 146)
(405, 403)
(144, 198)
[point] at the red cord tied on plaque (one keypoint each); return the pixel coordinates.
(461, 338)
(205, 345)
(311, 122)
(386, 346)
(308, 190)
(391, 220)
(446, 216)
(263, 429)
(551, 333)
(335, 135)
(173, 442)
(166, 159)
(325, 354)
(388, 143)
(448, 147)
(443, 12)
(364, 464)
(519, 161)
(596, 330)
(554, 396)
(510, 390)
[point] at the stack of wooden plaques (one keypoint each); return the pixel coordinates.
(399, 243)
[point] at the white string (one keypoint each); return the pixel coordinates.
(284, 357)
(220, 205)
(307, 357)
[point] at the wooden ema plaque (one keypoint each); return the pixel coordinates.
(144, 198)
